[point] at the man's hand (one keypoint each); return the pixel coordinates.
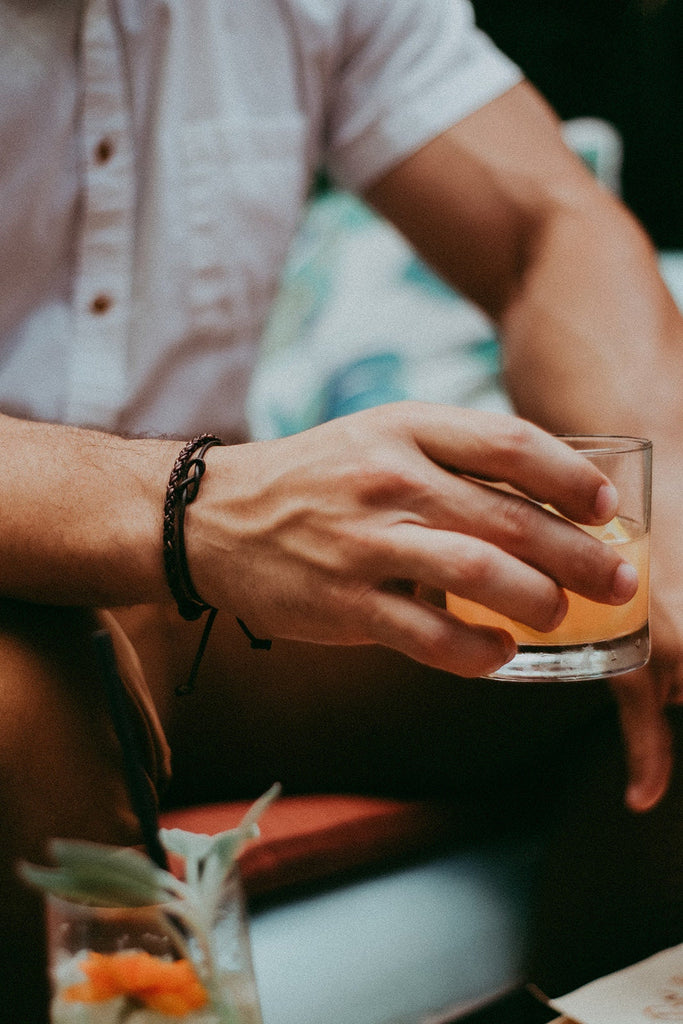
(327, 536)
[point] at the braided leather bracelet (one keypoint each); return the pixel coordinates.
(182, 489)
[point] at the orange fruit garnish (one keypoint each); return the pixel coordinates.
(170, 986)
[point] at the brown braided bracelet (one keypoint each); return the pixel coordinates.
(182, 489)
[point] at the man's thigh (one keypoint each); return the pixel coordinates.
(363, 719)
(60, 771)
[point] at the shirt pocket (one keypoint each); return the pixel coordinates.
(245, 183)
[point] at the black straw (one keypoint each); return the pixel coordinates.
(140, 789)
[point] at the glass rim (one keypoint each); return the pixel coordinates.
(606, 444)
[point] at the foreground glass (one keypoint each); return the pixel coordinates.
(594, 640)
(110, 965)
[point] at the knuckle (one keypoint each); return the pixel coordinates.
(515, 515)
(475, 565)
(434, 644)
(356, 556)
(386, 417)
(370, 557)
(386, 483)
(516, 438)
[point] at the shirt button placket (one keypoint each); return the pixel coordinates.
(104, 284)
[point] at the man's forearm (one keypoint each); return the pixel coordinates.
(81, 515)
(592, 338)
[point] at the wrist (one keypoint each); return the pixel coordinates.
(182, 489)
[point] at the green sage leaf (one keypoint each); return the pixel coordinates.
(101, 875)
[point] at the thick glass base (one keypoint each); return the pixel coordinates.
(575, 662)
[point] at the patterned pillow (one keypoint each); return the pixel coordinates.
(360, 320)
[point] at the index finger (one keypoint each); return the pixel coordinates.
(505, 449)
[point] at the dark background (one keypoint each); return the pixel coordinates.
(621, 60)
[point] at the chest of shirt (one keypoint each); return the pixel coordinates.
(208, 129)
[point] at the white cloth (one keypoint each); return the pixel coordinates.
(155, 156)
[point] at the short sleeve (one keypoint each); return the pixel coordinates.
(407, 70)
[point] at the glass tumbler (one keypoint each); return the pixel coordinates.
(142, 965)
(593, 640)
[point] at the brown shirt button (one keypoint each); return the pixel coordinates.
(103, 151)
(101, 303)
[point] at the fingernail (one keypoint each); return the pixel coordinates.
(624, 583)
(606, 501)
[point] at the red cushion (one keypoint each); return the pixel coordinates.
(308, 838)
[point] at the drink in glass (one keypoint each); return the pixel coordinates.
(593, 640)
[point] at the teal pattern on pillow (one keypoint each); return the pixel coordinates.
(361, 320)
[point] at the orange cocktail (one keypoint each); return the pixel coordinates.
(593, 640)
(586, 621)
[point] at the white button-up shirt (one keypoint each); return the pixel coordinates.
(155, 156)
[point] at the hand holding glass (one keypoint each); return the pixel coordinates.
(593, 640)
